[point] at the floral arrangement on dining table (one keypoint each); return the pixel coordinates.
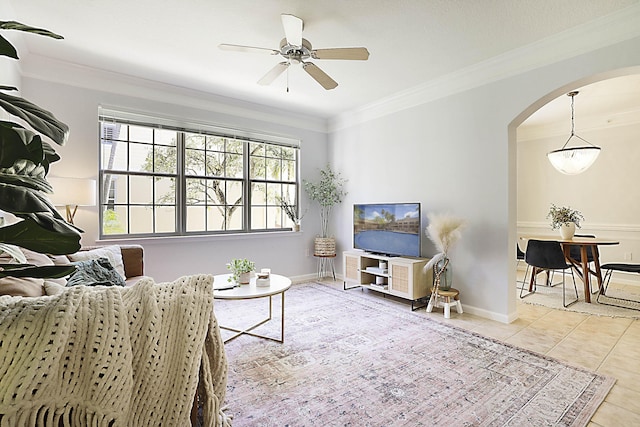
(564, 215)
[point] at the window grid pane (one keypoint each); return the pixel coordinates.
(143, 178)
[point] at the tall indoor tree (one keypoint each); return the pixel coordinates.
(24, 163)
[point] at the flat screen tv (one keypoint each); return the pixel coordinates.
(387, 228)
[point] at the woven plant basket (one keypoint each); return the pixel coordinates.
(324, 246)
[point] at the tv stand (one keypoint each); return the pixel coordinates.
(403, 277)
(381, 254)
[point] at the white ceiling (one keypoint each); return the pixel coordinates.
(611, 102)
(411, 42)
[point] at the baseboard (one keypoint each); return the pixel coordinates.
(304, 278)
(491, 315)
(467, 308)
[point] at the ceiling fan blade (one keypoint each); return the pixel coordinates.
(319, 76)
(250, 49)
(292, 29)
(273, 74)
(356, 53)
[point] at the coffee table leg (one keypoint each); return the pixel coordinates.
(282, 320)
(248, 330)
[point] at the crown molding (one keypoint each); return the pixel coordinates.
(598, 33)
(562, 128)
(81, 76)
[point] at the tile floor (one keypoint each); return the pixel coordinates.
(607, 345)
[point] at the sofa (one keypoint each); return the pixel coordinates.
(149, 354)
(128, 259)
(133, 261)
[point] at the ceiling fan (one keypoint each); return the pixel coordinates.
(297, 50)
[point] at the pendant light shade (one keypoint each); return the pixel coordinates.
(572, 161)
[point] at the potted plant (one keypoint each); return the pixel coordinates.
(565, 219)
(443, 230)
(292, 213)
(328, 192)
(25, 158)
(241, 270)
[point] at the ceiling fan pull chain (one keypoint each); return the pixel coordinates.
(288, 75)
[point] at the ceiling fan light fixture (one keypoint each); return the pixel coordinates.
(296, 50)
(572, 161)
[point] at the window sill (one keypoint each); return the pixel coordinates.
(200, 238)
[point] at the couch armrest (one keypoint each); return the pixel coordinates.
(133, 259)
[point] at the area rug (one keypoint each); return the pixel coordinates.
(619, 301)
(350, 359)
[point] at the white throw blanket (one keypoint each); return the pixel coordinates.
(105, 356)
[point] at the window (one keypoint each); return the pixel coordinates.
(158, 179)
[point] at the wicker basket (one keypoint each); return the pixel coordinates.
(324, 246)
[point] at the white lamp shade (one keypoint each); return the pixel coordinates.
(572, 161)
(72, 191)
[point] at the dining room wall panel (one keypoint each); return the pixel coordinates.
(604, 193)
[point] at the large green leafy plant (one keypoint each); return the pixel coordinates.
(328, 192)
(24, 163)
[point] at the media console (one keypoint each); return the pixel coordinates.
(399, 276)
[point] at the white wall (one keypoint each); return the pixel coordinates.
(453, 153)
(167, 259)
(10, 76)
(458, 154)
(10, 68)
(9, 71)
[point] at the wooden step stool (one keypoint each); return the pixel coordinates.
(443, 299)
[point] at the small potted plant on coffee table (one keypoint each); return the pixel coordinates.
(241, 270)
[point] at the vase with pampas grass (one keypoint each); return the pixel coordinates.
(443, 230)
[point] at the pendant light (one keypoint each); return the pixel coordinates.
(572, 161)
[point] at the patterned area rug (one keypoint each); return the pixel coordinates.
(621, 300)
(350, 359)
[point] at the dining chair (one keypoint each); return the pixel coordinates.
(609, 268)
(520, 258)
(548, 255)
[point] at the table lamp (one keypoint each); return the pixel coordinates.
(71, 193)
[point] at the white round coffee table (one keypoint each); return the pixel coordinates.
(278, 285)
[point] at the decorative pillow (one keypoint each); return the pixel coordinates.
(21, 287)
(94, 272)
(112, 253)
(53, 288)
(38, 259)
(59, 259)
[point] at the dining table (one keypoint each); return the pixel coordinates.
(581, 266)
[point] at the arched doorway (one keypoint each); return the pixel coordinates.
(607, 114)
